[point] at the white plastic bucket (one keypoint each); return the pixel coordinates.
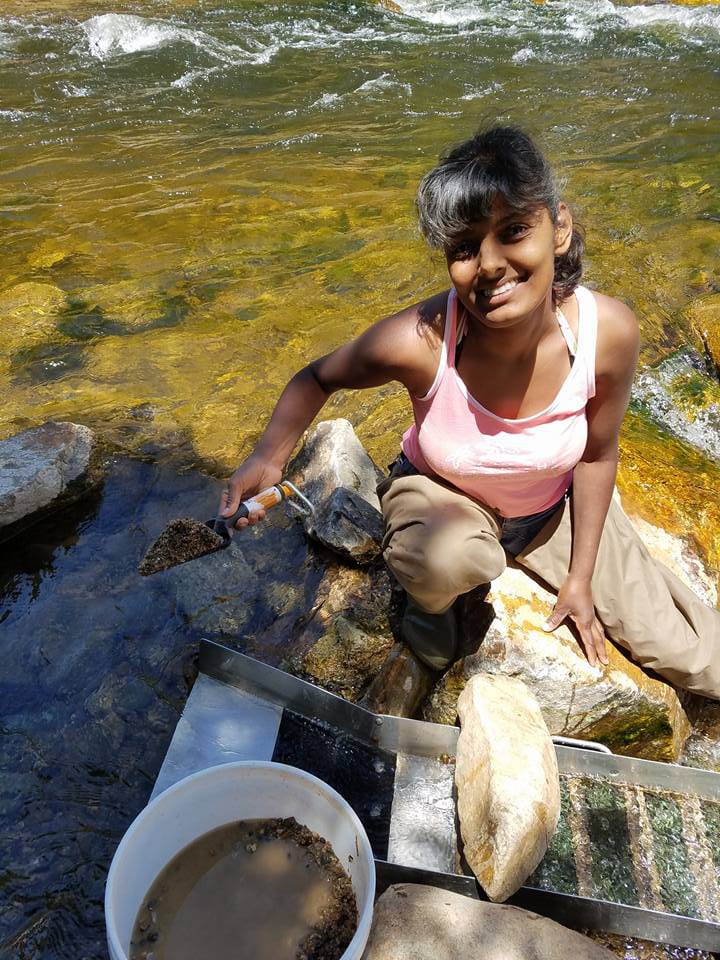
(246, 790)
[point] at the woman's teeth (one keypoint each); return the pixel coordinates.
(497, 291)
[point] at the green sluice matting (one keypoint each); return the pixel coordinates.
(677, 883)
(557, 870)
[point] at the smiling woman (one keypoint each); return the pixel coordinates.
(514, 447)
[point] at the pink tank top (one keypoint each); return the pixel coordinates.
(516, 467)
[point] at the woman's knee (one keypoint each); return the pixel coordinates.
(436, 561)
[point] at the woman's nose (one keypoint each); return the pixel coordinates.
(490, 261)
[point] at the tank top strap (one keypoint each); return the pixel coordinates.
(566, 332)
(454, 329)
(587, 334)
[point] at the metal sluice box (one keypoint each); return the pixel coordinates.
(637, 850)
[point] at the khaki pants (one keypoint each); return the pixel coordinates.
(440, 544)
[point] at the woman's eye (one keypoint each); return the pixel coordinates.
(516, 230)
(463, 251)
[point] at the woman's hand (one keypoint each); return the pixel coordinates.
(252, 476)
(575, 601)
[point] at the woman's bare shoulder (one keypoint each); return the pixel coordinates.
(618, 334)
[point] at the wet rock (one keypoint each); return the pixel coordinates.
(347, 634)
(401, 685)
(339, 478)
(618, 705)
(702, 747)
(47, 466)
(215, 593)
(704, 316)
(684, 398)
(507, 783)
(413, 922)
(29, 313)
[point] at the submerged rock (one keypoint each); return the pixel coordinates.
(29, 313)
(684, 398)
(47, 466)
(413, 922)
(339, 478)
(507, 782)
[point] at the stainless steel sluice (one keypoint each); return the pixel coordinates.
(398, 774)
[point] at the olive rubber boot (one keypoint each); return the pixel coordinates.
(432, 637)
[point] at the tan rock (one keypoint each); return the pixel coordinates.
(507, 783)
(618, 705)
(413, 922)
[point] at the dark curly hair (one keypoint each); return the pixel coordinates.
(499, 161)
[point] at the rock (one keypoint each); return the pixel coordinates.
(413, 922)
(29, 313)
(215, 593)
(619, 705)
(682, 397)
(401, 684)
(348, 631)
(507, 783)
(704, 316)
(339, 478)
(47, 466)
(702, 747)
(350, 526)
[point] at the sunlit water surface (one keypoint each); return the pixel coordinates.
(196, 199)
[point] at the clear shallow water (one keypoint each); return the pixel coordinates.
(203, 196)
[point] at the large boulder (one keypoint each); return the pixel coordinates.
(619, 704)
(45, 467)
(339, 478)
(507, 781)
(413, 922)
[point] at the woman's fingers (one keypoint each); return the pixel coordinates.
(592, 638)
(556, 617)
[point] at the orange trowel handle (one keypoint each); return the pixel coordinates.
(261, 501)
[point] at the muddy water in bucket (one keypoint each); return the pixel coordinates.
(260, 889)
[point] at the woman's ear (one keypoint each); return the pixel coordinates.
(563, 229)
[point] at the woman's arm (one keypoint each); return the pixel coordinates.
(400, 347)
(594, 475)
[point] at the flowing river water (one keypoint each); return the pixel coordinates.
(196, 199)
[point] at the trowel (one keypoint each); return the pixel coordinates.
(187, 539)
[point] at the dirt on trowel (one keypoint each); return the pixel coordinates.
(182, 540)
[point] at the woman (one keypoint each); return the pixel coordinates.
(519, 379)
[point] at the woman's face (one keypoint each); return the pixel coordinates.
(503, 267)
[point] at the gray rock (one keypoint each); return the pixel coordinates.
(339, 478)
(43, 467)
(663, 392)
(216, 593)
(349, 525)
(413, 922)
